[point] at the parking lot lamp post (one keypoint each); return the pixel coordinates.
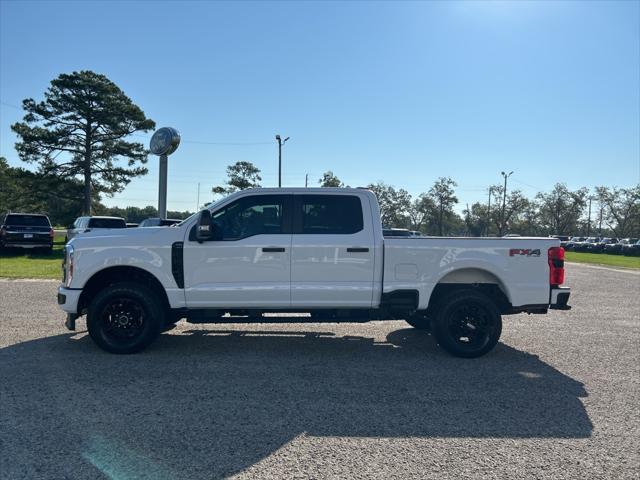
(280, 144)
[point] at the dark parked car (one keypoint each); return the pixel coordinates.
(159, 222)
(572, 242)
(26, 230)
(616, 248)
(563, 239)
(584, 245)
(599, 246)
(87, 224)
(632, 250)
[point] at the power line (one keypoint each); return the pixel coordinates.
(10, 105)
(205, 142)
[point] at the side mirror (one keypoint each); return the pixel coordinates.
(205, 229)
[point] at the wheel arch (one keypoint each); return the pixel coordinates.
(471, 278)
(120, 273)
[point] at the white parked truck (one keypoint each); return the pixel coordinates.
(318, 251)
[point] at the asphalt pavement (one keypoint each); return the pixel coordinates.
(557, 398)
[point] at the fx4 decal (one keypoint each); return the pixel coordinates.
(528, 252)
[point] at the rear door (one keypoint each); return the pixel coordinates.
(332, 254)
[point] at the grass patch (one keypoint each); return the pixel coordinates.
(17, 263)
(603, 259)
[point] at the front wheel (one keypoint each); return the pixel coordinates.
(419, 321)
(125, 318)
(467, 324)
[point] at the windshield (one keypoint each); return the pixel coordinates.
(28, 220)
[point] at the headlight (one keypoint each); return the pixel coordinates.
(67, 266)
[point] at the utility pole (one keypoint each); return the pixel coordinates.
(589, 221)
(306, 180)
(489, 212)
(280, 143)
(600, 223)
(504, 201)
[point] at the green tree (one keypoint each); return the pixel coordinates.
(34, 192)
(395, 205)
(621, 210)
(443, 195)
(330, 180)
(560, 209)
(422, 212)
(242, 175)
(515, 205)
(475, 219)
(80, 130)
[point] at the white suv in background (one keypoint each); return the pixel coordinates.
(87, 224)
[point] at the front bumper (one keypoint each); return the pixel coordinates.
(68, 299)
(559, 298)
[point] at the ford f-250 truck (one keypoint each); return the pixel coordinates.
(317, 251)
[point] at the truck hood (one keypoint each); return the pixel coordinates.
(129, 236)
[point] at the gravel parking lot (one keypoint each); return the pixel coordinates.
(558, 398)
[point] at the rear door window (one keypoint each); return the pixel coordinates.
(329, 214)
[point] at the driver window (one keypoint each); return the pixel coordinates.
(255, 215)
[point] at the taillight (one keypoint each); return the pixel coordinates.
(556, 266)
(51, 233)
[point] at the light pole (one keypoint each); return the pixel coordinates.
(489, 212)
(163, 143)
(504, 200)
(280, 143)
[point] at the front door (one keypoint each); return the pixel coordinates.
(251, 264)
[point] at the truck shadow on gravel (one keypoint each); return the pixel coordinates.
(210, 403)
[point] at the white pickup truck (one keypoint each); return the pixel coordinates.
(317, 251)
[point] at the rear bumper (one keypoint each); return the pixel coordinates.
(27, 245)
(559, 298)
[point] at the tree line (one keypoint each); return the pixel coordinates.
(560, 211)
(79, 138)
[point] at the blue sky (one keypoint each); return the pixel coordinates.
(398, 92)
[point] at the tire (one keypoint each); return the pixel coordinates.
(467, 324)
(125, 318)
(419, 321)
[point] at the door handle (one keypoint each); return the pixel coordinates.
(273, 249)
(357, 249)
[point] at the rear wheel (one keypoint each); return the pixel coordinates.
(125, 317)
(467, 324)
